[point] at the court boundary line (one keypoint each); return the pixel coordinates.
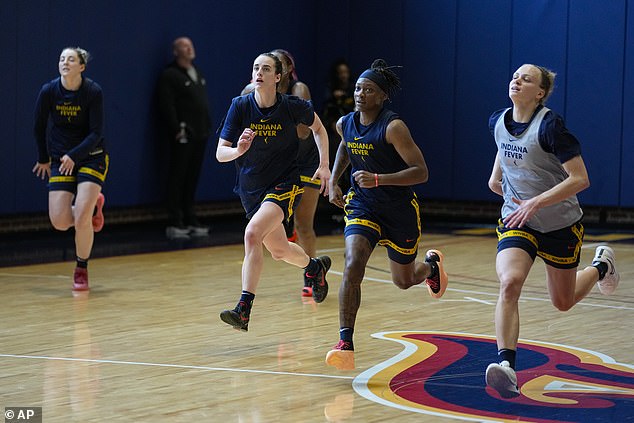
(173, 366)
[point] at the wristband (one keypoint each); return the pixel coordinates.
(376, 179)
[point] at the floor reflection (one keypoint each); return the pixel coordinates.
(75, 383)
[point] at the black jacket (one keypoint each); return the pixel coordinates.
(180, 99)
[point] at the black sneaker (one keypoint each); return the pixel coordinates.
(437, 284)
(318, 281)
(238, 317)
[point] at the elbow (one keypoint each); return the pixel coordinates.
(495, 185)
(585, 184)
(219, 156)
(424, 177)
(422, 174)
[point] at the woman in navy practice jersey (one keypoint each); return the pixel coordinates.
(380, 206)
(72, 154)
(259, 135)
(538, 170)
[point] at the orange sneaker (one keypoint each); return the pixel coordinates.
(98, 219)
(341, 356)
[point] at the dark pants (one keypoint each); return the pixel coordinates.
(185, 163)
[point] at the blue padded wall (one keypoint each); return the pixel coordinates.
(594, 93)
(627, 136)
(428, 88)
(8, 96)
(457, 58)
(483, 49)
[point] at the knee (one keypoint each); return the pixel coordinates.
(252, 237)
(303, 228)
(402, 283)
(354, 271)
(510, 288)
(562, 304)
(60, 223)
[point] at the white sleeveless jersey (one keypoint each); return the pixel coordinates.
(528, 170)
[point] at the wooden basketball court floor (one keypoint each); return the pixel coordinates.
(147, 345)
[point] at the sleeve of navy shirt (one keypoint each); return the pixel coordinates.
(94, 98)
(493, 120)
(232, 127)
(555, 138)
(42, 106)
(303, 111)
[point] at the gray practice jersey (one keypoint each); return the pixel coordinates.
(528, 170)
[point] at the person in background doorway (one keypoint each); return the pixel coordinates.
(185, 112)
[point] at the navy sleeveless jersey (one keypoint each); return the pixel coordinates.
(368, 150)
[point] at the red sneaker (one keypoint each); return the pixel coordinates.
(80, 279)
(307, 291)
(98, 219)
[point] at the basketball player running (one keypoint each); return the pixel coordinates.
(300, 227)
(72, 154)
(538, 170)
(303, 224)
(380, 207)
(259, 133)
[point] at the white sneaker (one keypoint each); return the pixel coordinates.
(502, 378)
(175, 232)
(198, 230)
(610, 281)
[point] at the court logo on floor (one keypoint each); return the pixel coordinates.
(442, 374)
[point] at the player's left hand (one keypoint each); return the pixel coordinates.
(323, 174)
(365, 179)
(519, 217)
(66, 165)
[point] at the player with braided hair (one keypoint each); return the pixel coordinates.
(380, 207)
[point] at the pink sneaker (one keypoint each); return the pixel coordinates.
(98, 219)
(80, 279)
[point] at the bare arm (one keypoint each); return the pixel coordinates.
(321, 139)
(247, 88)
(576, 181)
(301, 90)
(398, 135)
(225, 152)
(342, 161)
(495, 180)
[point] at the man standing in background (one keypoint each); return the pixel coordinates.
(184, 108)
